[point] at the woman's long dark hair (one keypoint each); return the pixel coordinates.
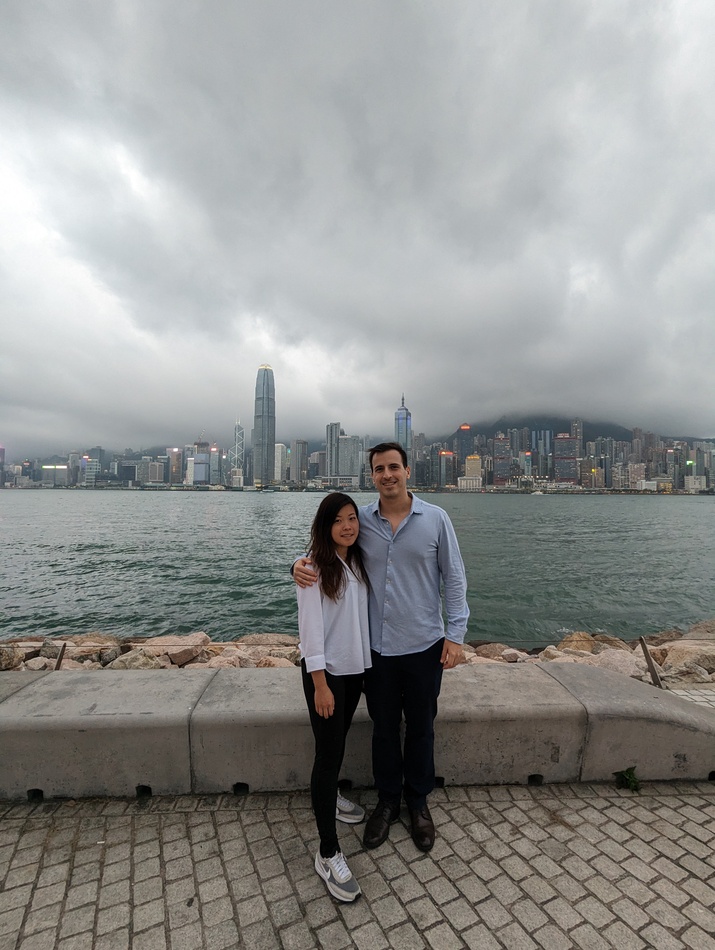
(322, 547)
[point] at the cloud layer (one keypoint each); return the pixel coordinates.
(492, 208)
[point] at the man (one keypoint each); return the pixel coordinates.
(409, 549)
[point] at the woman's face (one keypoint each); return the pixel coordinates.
(346, 528)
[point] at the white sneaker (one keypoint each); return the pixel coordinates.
(348, 811)
(337, 876)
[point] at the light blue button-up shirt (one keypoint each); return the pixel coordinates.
(406, 570)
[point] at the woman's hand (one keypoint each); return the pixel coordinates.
(324, 701)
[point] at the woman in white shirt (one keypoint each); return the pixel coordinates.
(335, 650)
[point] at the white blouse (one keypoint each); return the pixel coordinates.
(334, 635)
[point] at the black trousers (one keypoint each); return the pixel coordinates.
(330, 736)
(404, 685)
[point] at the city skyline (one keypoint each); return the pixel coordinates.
(496, 209)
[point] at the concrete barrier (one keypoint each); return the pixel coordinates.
(251, 729)
(83, 733)
(633, 724)
(117, 733)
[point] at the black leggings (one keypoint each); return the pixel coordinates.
(330, 736)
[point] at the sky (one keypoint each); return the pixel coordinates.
(493, 208)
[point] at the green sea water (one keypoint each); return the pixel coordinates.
(148, 563)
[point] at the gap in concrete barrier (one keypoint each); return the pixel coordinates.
(241, 788)
(143, 791)
(535, 779)
(711, 777)
(35, 795)
(439, 781)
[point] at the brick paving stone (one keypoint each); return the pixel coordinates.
(561, 866)
(658, 938)
(622, 937)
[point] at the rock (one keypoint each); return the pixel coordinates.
(39, 663)
(70, 664)
(513, 656)
(90, 652)
(51, 648)
(108, 655)
(10, 657)
(619, 662)
(615, 643)
(705, 630)
(580, 654)
(180, 650)
(223, 662)
(578, 640)
(550, 653)
(473, 659)
(274, 661)
(492, 651)
(166, 663)
(700, 652)
(658, 639)
(135, 660)
(267, 640)
(684, 673)
(467, 648)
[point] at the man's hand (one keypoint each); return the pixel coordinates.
(452, 655)
(303, 574)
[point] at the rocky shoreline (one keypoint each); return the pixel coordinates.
(679, 658)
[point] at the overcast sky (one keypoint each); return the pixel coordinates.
(491, 207)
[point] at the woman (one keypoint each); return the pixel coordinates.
(335, 650)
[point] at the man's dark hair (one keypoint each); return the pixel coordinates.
(387, 447)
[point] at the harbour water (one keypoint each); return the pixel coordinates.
(149, 563)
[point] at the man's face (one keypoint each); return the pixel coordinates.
(389, 475)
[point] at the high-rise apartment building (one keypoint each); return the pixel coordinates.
(281, 462)
(349, 455)
(566, 456)
(264, 428)
(299, 461)
(332, 449)
(403, 429)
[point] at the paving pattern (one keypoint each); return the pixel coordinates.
(553, 867)
(702, 695)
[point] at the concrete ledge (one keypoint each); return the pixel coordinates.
(663, 736)
(251, 728)
(79, 734)
(507, 724)
(87, 733)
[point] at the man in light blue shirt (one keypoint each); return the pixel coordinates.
(410, 550)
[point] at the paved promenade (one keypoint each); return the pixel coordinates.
(553, 867)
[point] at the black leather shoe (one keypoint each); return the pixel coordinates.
(422, 828)
(378, 824)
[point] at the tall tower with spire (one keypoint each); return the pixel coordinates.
(403, 429)
(264, 428)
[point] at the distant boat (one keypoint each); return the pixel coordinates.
(537, 492)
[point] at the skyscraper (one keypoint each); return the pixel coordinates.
(332, 448)
(403, 429)
(264, 428)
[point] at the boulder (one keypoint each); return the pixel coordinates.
(550, 653)
(513, 656)
(267, 640)
(109, 654)
(492, 651)
(614, 643)
(10, 656)
(578, 640)
(700, 652)
(684, 674)
(135, 660)
(705, 630)
(180, 650)
(69, 664)
(619, 661)
(51, 648)
(473, 659)
(39, 663)
(223, 662)
(658, 639)
(274, 661)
